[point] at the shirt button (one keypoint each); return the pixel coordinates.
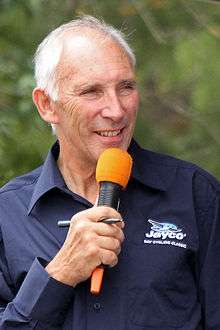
(97, 307)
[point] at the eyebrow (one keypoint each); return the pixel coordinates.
(82, 87)
(130, 81)
(96, 84)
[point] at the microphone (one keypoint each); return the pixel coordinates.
(112, 173)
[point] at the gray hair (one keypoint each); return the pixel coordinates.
(49, 51)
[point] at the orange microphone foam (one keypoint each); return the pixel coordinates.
(114, 165)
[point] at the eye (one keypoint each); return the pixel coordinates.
(88, 91)
(127, 87)
(91, 93)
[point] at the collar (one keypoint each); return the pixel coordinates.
(151, 169)
(50, 177)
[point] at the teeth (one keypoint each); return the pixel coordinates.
(109, 133)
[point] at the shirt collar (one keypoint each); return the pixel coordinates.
(50, 177)
(149, 168)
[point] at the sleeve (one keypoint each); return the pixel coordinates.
(207, 208)
(40, 300)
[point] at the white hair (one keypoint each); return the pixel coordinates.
(49, 51)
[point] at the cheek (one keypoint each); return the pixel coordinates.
(70, 106)
(131, 102)
(69, 114)
(135, 100)
(72, 111)
(88, 113)
(132, 107)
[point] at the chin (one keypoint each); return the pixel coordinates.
(96, 152)
(125, 144)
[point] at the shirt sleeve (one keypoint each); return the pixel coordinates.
(39, 298)
(207, 208)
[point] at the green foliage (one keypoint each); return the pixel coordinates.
(178, 71)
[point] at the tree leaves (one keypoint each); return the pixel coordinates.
(178, 70)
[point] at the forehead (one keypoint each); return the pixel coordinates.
(93, 55)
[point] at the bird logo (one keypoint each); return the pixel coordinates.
(164, 226)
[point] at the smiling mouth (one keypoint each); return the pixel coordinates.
(109, 133)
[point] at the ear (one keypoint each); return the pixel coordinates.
(45, 106)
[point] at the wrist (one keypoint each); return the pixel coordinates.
(61, 274)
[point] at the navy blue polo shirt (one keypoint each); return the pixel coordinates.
(167, 276)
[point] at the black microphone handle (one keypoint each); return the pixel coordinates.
(109, 194)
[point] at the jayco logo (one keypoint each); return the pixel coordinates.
(164, 230)
(164, 233)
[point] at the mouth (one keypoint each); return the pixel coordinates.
(109, 133)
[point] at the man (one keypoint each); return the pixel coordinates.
(165, 274)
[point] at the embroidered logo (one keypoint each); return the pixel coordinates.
(164, 233)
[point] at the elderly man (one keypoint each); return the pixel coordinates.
(165, 274)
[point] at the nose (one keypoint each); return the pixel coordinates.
(113, 107)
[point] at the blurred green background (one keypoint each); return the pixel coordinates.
(177, 44)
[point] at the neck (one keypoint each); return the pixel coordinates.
(78, 175)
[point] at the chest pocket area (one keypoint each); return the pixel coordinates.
(161, 290)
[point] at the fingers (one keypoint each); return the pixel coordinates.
(90, 230)
(102, 229)
(98, 213)
(108, 258)
(105, 248)
(88, 222)
(102, 236)
(110, 244)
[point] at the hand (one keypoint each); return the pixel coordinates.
(88, 244)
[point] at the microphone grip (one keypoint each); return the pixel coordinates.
(96, 280)
(108, 196)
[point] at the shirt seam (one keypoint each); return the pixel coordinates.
(20, 187)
